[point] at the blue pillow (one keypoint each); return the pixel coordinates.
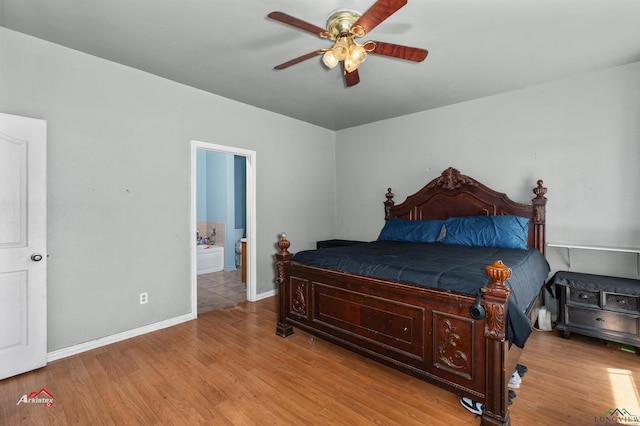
(487, 231)
(415, 231)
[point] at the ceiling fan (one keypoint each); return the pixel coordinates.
(343, 27)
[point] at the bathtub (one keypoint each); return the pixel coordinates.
(209, 259)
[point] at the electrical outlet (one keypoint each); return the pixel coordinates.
(144, 298)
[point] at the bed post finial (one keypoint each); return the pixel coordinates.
(283, 260)
(540, 190)
(539, 216)
(498, 272)
(283, 245)
(388, 204)
(495, 295)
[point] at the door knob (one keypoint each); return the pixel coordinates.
(36, 257)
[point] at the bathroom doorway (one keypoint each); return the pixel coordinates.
(227, 211)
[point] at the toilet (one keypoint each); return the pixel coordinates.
(238, 237)
(209, 259)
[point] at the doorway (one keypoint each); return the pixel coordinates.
(250, 225)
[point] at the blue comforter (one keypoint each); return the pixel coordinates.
(446, 267)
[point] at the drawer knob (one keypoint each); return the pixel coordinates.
(621, 301)
(600, 319)
(584, 296)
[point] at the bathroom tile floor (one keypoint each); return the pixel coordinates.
(220, 290)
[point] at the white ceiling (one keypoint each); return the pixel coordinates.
(476, 48)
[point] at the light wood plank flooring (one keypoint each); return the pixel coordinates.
(229, 368)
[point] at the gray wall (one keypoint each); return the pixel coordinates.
(119, 183)
(580, 135)
(119, 174)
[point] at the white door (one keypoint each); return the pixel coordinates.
(23, 258)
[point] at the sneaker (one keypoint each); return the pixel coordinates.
(514, 382)
(512, 394)
(521, 369)
(471, 405)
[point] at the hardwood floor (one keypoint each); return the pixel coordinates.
(228, 367)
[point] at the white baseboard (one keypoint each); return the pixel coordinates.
(103, 341)
(114, 338)
(265, 295)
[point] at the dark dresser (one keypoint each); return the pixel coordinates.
(598, 306)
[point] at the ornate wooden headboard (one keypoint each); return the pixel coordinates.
(453, 194)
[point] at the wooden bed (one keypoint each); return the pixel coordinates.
(423, 331)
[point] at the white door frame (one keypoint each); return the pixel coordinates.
(251, 216)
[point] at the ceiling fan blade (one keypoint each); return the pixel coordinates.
(298, 23)
(350, 78)
(299, 59)
(398, 51)
(377, 13)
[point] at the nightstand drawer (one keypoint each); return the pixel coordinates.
(602, 320)
(584, 297)
(621, 302)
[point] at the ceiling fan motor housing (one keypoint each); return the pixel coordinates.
(339, 23)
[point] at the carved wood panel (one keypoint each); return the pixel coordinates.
(299, 296)
(453, 344)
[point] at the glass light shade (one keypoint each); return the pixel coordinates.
(350, 65)
(357, 54)
(340, 50)
(329, 59)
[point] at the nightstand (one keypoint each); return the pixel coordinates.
(599, 306)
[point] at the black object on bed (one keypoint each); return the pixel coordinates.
(453, 268)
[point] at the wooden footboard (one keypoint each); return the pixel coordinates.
(425, 332)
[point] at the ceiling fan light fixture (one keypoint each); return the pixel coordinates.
(329, 59)
(358, 53)
(341, 49)
(350, 65)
